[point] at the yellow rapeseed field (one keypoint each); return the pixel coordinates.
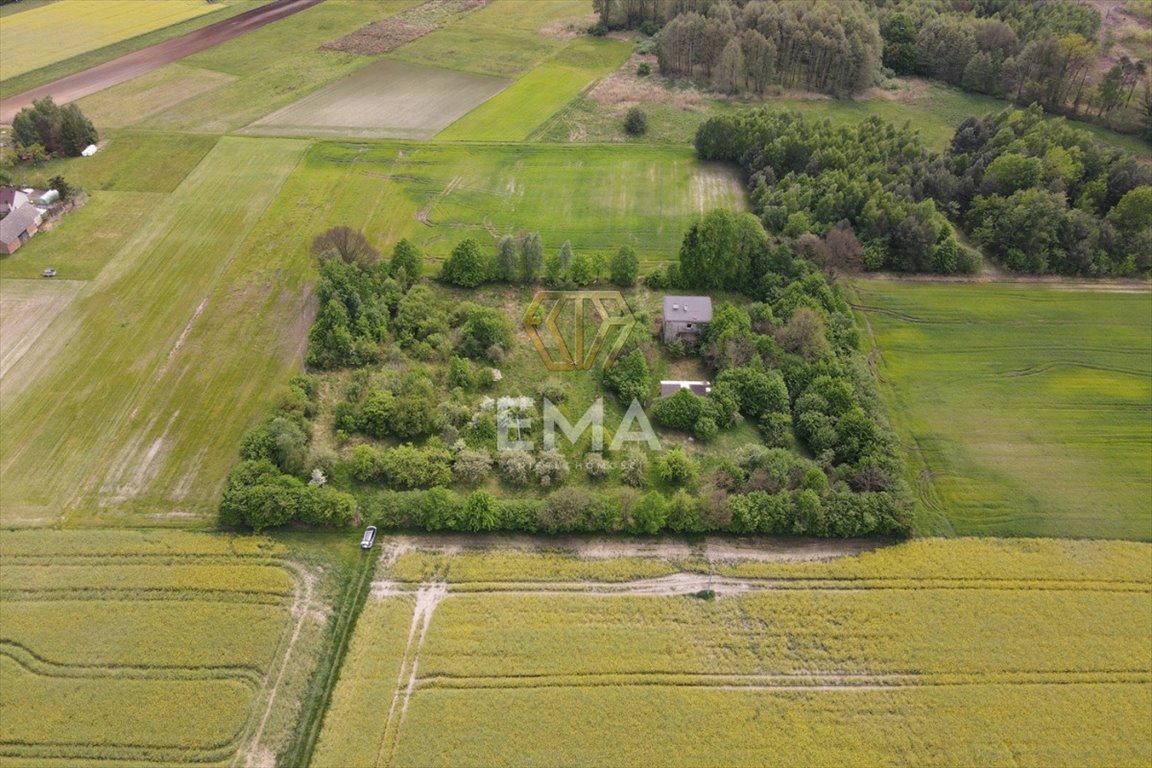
(61, 30)
(931, 652)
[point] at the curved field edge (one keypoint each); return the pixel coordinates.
(120, 648)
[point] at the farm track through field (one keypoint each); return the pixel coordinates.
(799, 681)
(38, 665)
(428, 596)
(132, 65)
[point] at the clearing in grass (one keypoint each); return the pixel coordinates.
(66, 28)
(1024, 407)
(385, 99)
(620, 672)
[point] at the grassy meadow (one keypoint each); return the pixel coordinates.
(835, 662)
(437, 194)
(1024, 408)
(147, 647)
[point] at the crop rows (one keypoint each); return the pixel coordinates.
(537, 659)
(156, 652)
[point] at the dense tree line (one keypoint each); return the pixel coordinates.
(872, 190)
(1038, 52)
(1037, 194)
(46, 130)
(1041, 196)
(832, 47)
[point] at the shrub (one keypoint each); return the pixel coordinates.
(677, 468)
(460, 374)
(407, 467)
(629, 377)
(648, 515)
(705, 429)
(683, 513)
(678, 411)
(480, 512)
(551, 468)
(596, 466)
(406, 262)
(515, 467)
(484, 328)
(634, 469)
(472, 466)
(281, 440)
(644, 69)
(636, 121)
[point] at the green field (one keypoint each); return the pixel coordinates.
(838, 663)
(436, 195)
(143, 384)
(515, 113)
(161, 647)
(1024, 408)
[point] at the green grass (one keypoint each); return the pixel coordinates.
(139, 397)
(498, 49)
(81, 62)
(1024, 407)
(513, 114)
(87, 239)
(598, 197)
(130, 162)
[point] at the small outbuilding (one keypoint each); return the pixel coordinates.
(17, 227)
(672, 386)
(685, 316)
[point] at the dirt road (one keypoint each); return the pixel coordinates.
(145, 60)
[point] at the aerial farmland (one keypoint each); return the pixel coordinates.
(573, 383)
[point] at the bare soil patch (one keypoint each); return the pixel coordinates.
(391, 33)
(386, 100)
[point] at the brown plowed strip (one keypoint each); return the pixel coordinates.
(145, 60)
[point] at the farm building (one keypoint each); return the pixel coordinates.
(672, 386)
(17, 227)
(685, 316)
(11, 199)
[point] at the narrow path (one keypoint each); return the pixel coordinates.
(140, 62)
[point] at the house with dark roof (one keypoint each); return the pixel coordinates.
(685, 316)
(17, 227)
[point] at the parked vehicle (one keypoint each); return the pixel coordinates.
(49, 272)
(369, 537)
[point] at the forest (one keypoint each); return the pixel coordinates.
(1040, 196)
(1043, 52)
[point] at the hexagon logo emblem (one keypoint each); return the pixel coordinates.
(559, 323)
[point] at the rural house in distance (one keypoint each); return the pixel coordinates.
(685, 316)
(17, 227)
